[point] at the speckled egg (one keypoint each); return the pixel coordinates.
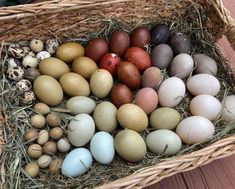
(16, 51)
(27, 98)
(42, 55)
(11, 62)
(52, 45)
(15, 73)
(30, 62)
(23, 85)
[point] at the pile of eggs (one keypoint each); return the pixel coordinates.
(110, 84)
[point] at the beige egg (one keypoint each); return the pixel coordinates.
(205, 64)
(55, 166)
(44, 161)
(50, 148)
(34, 151)
(228, 113)
(43, 137)
(32, 169)
(56, 133)
(53, 120)
(38, 121)
(63, 145)
(42, 108)
(31, 135)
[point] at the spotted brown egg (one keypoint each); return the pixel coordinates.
(52, 45)
(23, 85)
(15, 73)
(27, 98)
(16, 51)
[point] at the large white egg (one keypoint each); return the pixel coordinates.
(229, 108)
(76, 163)
(203, 84)
(171, 92)
(81, 129)
(163, 141)
(102, 147)
(205, 64)
(195, 129)
(206, 106)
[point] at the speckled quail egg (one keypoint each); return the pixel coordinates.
(30, 62)
(11, 62)
(42, 55)
(36, 45)
(23, 85)
(15, 73)
(52, 45)
(16, 51)
(27, 97)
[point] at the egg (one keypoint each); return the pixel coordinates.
(195, 129)
(205, 64)
(31, 135)
(68, 51)
(110, 62)
(203, 84)
(180, 43)
(53, 120)
(161, 56)
(228, 113)
(52, 45)
(31, 74)
(32, 169)
(129, 75)
(97, 48)
(36, 45)
(34, 151)
(42, 108)
(206, 106)
(102, 147)
(164, 118)
(55, 166)
(48, 90)
(152, 77)
(130, 145)
(160, 33)
(12, 62)
(49, 148)
(38, 121)
(105, 116)
(74, 84)
(44, 161)
(80, 104)
(63, 145)
(182, 66)
(42, 55)
(30, 62)
(43, 137)
(81, 129)
(171, 92)
(15, 73)
(27, 98)
(119, 42)
(101, 83)
(120, 95)
(84, 66)
(140, 37)
(163, 142)
(147, 99)
(138, 57)
(16, 51)
(76, 163)
(53, 67)
(23, 85)
(132, 117)
(56, 133)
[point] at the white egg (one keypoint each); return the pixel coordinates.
(63, 145)
(171, 92)
(163, 141)
(76, 163)
(42, 55)
(205, 64)
(229, 108)
(81, 129)
(30, 62)
(206, 106)
(80, 104)
(203, 84)
(195, 129)
(102, 147)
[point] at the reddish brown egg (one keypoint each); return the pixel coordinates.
(138, 57)
(140, 37)
(109, 62)
(96, 48)
(119, 42)
(129, 75)
(120, 95)
(152, 77)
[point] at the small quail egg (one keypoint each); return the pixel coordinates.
(27, 97)
(27, 51)
(23, 85)
(15, 73)
(36, 45)
(30, 62)
(12, 62)
(42, 55)
(16, 51)
(52, 45)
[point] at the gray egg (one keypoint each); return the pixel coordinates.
(161, 56)
(52, 45)
(27, 97)
(180, 43)
(11, 62)
(205, 64)
(15, 73)
(23, 85)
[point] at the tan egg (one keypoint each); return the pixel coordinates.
(55, 166)
(34, 151)
(50, 148)
(44, 161)
(74, 84)
(43, 137)
(84, 66)
(53, 120)
(31, 134)
(32, 169)
(42, 108)
(63, 145)
(38, 121)
(56, 133)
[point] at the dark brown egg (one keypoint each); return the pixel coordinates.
(120, 95)
(160, 33)
(119, 42)
(140, 37)
(129, 75)
(180, 43)
(96, 48)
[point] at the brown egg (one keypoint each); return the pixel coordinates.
(38, 121)
(42, 108)
(31, 74)
(55, 166)
(32, 169)
(152, 77)
(140, 37)
(34, 151)
(53, 120)
(129, 75)
(50, 148)
(96, 48)
(119, 42)
(56, 133)
(30, 134)
(120, 95)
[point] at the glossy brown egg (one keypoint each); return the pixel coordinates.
(140, 37)
(152, 77)
(119, 42)
(120, 95)
(129, 75)
(96, 48)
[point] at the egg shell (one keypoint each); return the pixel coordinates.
(42, 108)
(16, 51)
(56, 133)
(205, 64)
(80, 104)
(44, 161)
(110, 62)
(27, 98)
(63, 145)
(101, 83)
(152, 77)
(42, 55)
(52, 45)
(38, 121)
(206, 106)
(15, 73)
(140, 37)
(76, 163)
(180, 43)
(32, 169)
(34, 151)
(195, 129)
(23, 85)
(164, 118)
(55, 166)
(160, 33)
(229, 108)
(181, 66)
(161, 56)
(147, 99)
(74, 84)
(105, 116)
(81, 129)
(203, 84)
(30, 62)
(48, 90)
(49, 148)
(102, 147)
(43, 137)
(31, 74)
(11, 62)
(171, 92)
(163, 142)
(132, 117)
(53, 120)
(36, 45)
(31, 134)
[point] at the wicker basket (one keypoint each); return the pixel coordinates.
(66, 18)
